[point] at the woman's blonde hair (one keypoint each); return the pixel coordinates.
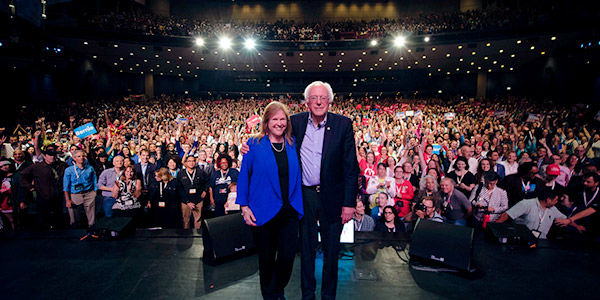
(271, 110)
(164, 174)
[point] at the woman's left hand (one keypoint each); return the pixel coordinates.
(248, 216)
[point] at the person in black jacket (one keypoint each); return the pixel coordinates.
(326, 146)
(192, 183)
(522, 185)
(165, 202)
(389, 222)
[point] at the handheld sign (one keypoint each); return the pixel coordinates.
(85, 130)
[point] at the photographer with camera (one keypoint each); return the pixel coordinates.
(424, 210)
(489, 198)
(456, 208)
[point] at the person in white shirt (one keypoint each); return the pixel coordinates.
(510, 164)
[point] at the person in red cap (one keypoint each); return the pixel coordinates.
(549, 179)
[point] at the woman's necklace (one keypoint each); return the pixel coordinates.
(278, 150)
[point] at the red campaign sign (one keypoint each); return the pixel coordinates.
(367, 107)
(358, 107)
(388, 110)
(365, 122)
(377, 106)
(460, 109)
(404, 107)
(394, 106)
(420, 106)
(253, 121)
(476, 103)
(218, 102)
(491, 113)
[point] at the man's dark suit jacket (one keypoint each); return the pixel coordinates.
(339, 167)
(149, 174)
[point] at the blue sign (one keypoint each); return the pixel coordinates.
(85, 130)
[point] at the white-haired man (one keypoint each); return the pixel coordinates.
(329, 178)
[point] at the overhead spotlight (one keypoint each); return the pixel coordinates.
(225, 43)
(373, 42)
(199, 42)
(399, 41)
(249, 44)
(427, 39)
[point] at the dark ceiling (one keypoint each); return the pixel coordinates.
(502, 54)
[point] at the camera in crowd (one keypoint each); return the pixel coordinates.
(420, 206)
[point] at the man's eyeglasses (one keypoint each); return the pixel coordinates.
(322, 98)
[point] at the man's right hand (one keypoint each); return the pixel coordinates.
(69, 203)
(420, 214)
(22, 205)
(191, 205)
(245, 149)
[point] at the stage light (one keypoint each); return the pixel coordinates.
(225, 43)
(249, 44)
(399, 41)
(427, 39)
(373, 42)
(199, 42)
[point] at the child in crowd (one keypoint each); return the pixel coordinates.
(230, 206)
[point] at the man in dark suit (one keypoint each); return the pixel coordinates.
(144, 170)
(493, 156)
(522, 185)
(329, 184)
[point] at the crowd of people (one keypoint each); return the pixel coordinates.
(290, 30)
(171, 161)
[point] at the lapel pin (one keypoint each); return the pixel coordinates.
(328, 128)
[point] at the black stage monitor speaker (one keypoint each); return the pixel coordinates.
(443, 243)
(225, 236)
(505, 233)
(113, 227)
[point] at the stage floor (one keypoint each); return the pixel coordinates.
(168, 265)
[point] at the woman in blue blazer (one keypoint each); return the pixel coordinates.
(270, 195)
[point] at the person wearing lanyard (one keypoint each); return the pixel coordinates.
(537, 214)
(587, 208)
(404, 193)
(456, 208)
(193, 185)
(521, 185)
(165, 203)
(107, 180)
(362, 222)
(219, 184)
(80, 185)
